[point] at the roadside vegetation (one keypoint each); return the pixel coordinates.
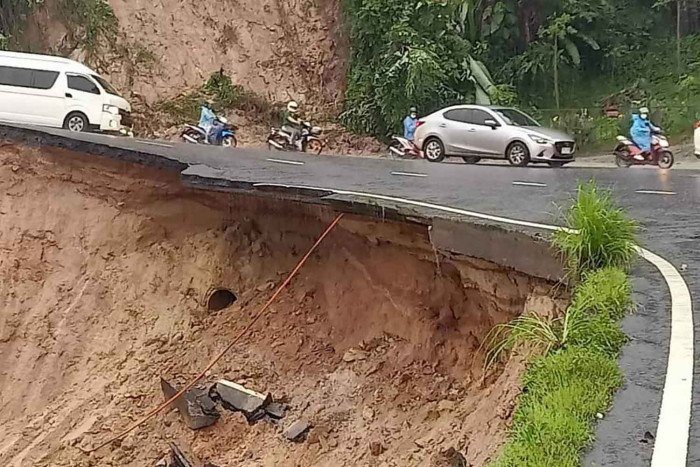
(227, 97)
(573, 372)
(92, 22)
(573, 64)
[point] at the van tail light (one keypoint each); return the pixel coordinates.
(419, 123)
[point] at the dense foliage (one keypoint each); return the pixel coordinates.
(557, 54)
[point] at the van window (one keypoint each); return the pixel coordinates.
(26, 78)
(81, 83)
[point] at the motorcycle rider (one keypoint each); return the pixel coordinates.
(410, 123)
(641, 131)
(291, 122)
(207, 118)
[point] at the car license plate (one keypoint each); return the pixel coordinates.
(566, 150)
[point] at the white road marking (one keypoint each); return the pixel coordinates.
(671, 446)
(153, 143)
(409, 174)
(285, 161)
(530, 184)
(655, 192)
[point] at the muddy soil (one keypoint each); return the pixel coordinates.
(104, 272)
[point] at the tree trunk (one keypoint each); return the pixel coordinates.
(556, 71)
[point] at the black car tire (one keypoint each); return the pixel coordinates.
(434, 150)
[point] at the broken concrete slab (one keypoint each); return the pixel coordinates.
(276, 410)
(240, 399)
(177, 457)
(297, 430)
(196, 407)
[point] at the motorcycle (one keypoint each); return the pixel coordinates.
(308, 139)
(223, 134)
(628, 154)
(404, 148)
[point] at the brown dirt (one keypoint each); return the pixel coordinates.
(281, 49)
(103, 272)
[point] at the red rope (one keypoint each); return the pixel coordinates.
(218, 357)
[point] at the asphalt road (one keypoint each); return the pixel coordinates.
(664, 202)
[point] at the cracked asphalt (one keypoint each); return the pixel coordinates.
(664, 202)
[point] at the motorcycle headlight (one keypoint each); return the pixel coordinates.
(111, 109)
(540, 139)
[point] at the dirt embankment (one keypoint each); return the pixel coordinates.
(103, 274)
(280, 49)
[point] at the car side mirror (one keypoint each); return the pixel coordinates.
(492, 123)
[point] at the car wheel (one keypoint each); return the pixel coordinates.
(471, 159)
(518, 154)
(434, 150)
(76, 122)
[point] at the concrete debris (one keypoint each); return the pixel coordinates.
(276, 410)
(240, 399)
(163, 462)
(297, 430)
(195, 406)
(177, 457)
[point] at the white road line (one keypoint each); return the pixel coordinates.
(655, 192)
(285, 161)
(530, 184)
(671, 446)
(409, 174)
(153, 143)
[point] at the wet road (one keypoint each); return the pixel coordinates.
(664, 202)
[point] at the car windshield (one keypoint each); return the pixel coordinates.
(105, 85)
(516, 117)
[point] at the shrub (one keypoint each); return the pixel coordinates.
(599, 234)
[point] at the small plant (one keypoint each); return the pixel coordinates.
(598, 233)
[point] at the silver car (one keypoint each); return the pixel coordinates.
(475, 132)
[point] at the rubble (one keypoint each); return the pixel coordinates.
(297, 430)
(178, 458)
(241, 399)
(195, 406)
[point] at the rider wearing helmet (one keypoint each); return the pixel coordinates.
(291, 121)
(641, 131)
(410, 123)
(207, 117)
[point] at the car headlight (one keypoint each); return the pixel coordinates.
(112, 109)
(540, 139)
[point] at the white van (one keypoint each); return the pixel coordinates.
(58, 92)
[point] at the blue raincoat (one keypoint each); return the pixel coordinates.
(409, 127)
(641, 131)
(206, 117)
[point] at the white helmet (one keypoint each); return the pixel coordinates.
(293, 106)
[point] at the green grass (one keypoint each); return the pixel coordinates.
(563, 391)
(574, 372)
(599, 234)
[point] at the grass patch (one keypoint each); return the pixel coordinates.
(94, 22)
(574, 372)
(599, 233)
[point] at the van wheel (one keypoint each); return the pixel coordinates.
(76, 122)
